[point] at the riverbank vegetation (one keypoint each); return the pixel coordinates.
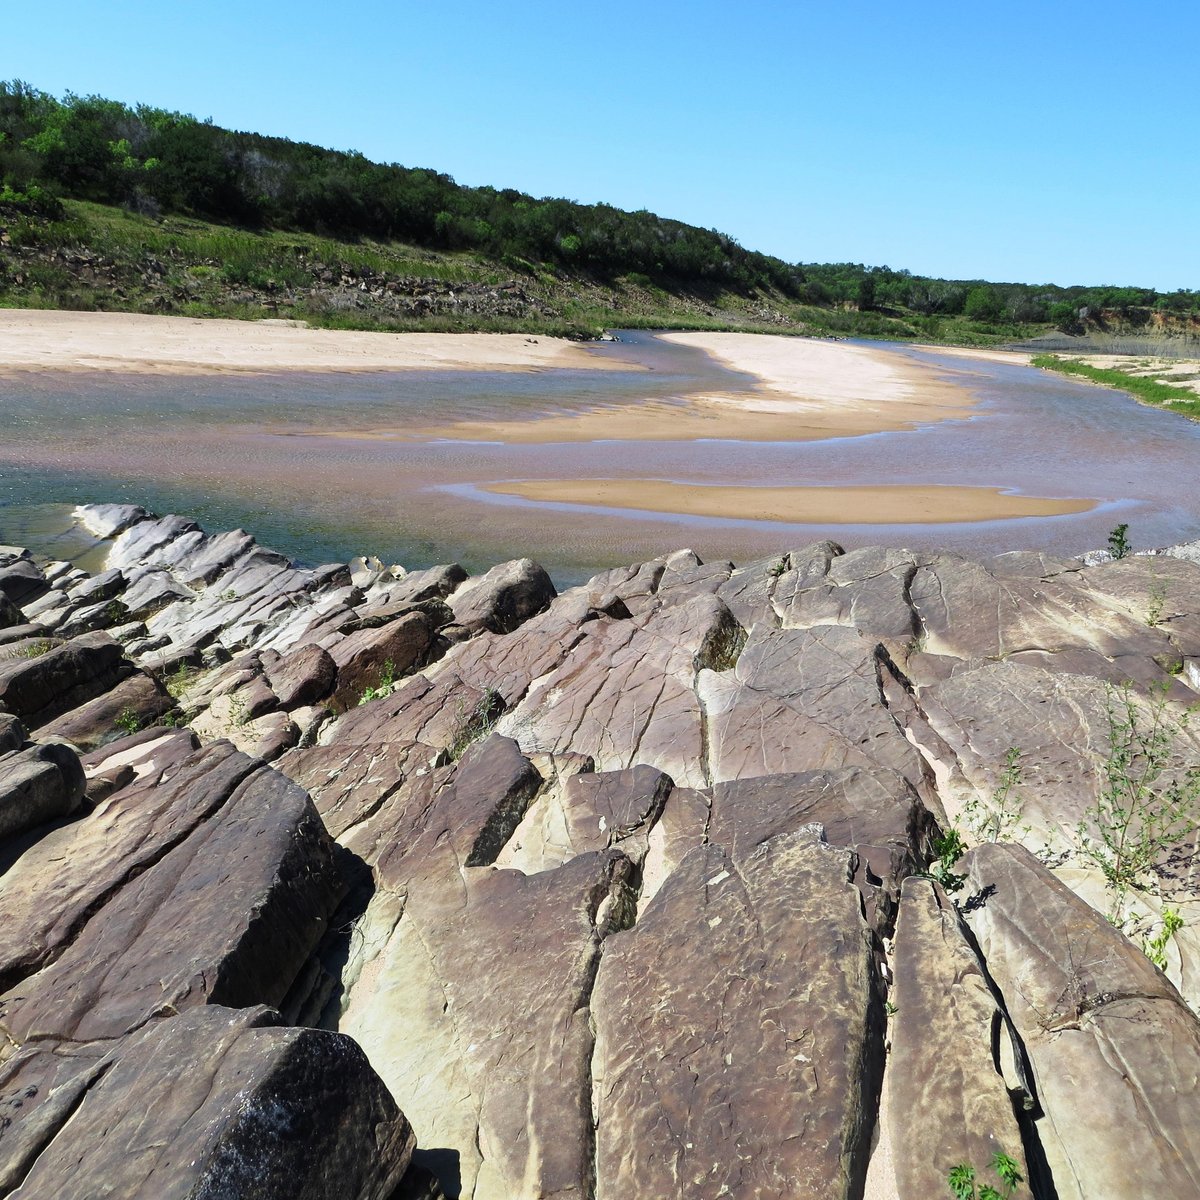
(107, 206)
(1138, 377)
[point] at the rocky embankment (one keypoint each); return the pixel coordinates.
(351, 882)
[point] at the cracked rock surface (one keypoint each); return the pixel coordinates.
(346, 881)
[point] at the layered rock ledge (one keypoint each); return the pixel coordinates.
(350, 881)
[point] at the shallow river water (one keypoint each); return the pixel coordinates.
(253, 450)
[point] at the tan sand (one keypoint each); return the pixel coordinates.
(1016, 358)
(870, 505)
(70, 341)
(807, 389)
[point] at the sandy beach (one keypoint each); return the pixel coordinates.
(873, 505)
(807, 389)
(39, 339)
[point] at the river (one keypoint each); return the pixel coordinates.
(254, 450)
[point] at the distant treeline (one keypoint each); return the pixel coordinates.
(155, 161)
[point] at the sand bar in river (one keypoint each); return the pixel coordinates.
(871, 504)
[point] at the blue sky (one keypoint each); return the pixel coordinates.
(1049, 142)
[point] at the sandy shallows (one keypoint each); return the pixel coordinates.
(871, 505)
(71, 341)
(805, 390)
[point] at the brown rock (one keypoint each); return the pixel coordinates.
(302, 677)
(948, 1102)
(178, 934)
(39, 689)
(138, 700)
(504, 598)
(38, 784)
(735, 1052)
(217, 1103)
(1103, 1029)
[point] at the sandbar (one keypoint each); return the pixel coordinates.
(806, 390)
(884, 504)
(46, 339)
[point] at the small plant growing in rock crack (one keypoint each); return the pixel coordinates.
(949, 848)
(1149, 800)
(1158, 598)
(1118, 541)
(128, 721)
(228, 594)
(34, 649)
(777, 568)
(387, 677)
(179, 680)
(1000, 819)
(1155, 948)
(962, 1180)
(479, 724)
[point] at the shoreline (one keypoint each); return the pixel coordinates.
(878, 504)
(139, 343)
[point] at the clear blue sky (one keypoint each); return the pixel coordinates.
(1036, 142)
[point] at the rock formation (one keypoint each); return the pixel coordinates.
(351, 882)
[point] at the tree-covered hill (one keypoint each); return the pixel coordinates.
(104, 205)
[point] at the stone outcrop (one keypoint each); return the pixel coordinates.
(618, 892)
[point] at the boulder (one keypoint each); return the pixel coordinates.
(504, 598)
(302, 677)
(44, 687)
(21, 583)
(137, 701)
(218, 1103)
(38, 784)
(178, 934)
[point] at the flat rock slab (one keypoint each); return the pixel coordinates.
(1115, 1051)
(210, 1105)
(948, 1101)
(734, 1032)
(228, 916)
(804, 699)
(494, 1073)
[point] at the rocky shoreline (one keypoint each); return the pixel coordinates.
(356, 882)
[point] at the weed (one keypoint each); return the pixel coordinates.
(1118, 541)
(34, 649)
(1000, 819)
(179, 680)
(777, 568)
(128, 721)
(1150, 799)
(962, 1180)
(1158, 598)
(1155, 948)
(387, 678)
(478, 724)
(228, 594)
(949, 848)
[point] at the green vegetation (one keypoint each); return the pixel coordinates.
(1149, 389)
(128, 721)
(1155, 948)
(962, 1180)
(949, 848)
(1118, 541)
(387, 679)
(1001, 819)
(104, 206)
(34, 649)
(1149, 802)
(478, 723)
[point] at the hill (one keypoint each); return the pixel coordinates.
(141, 209)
